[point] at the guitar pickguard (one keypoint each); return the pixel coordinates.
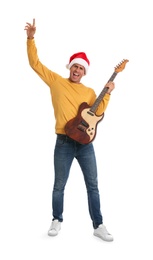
(91, 120)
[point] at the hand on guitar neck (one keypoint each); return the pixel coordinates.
(110, 86)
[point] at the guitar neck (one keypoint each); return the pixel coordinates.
(102, 94)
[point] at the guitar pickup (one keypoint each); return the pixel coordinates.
(84, 123)
(90, 113)
(82, 128)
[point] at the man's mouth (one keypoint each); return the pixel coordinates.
(75, 74)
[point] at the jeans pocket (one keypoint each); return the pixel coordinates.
(61, 139)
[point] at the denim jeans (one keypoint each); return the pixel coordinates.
(65, 151)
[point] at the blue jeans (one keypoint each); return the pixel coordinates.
(65, 151)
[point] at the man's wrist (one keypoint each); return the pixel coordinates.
(30, 38)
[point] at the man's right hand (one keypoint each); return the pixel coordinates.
(31, 29)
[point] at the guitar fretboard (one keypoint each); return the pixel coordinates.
(101, 95)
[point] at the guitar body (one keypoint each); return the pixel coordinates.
(83, 127)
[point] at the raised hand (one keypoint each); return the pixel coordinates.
(31, 29)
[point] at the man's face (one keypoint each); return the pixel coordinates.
(77, 71)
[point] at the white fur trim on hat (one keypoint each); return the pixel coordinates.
(78, 61)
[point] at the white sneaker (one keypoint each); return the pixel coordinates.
(54, 228)
(102, 232)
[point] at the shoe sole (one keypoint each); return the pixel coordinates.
(103, 238)
(52, 235)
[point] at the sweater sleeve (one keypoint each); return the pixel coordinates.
(103, 105)
(43, 72)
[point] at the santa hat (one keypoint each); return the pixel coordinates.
(79, 58)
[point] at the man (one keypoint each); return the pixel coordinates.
(67, 95)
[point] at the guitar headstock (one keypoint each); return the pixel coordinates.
(121, 66)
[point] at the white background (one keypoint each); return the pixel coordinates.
(108, 31)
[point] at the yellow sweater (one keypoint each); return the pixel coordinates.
(66, 96)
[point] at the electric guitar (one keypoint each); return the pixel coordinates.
(83, 127)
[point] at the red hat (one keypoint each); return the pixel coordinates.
(79, 58)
